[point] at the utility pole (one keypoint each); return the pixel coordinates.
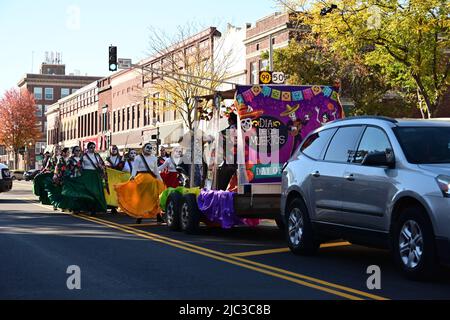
(270, 52)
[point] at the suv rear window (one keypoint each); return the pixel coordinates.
(315, 143)
(425, 145)
(342, 147)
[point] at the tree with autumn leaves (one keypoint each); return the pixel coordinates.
(402, 46)
(18, 121)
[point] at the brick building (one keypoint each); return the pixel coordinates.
(49, 86)
(269, 33)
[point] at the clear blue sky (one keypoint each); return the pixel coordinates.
(28, 26)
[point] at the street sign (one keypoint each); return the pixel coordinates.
(269, 77)
(278, 78)
(124, 63)
(265, 77)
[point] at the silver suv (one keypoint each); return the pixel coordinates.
(373, 181)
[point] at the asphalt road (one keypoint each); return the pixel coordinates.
(120, 260)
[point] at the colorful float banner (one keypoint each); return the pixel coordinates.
(279, 118)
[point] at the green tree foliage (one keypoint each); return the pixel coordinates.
(402, 43)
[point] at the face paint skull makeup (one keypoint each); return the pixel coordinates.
(148, 149)
(292, 116)
(133, 154)
(246, 124)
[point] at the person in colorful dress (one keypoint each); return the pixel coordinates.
(84, 187)
(115, 164)
(44, 178)
(129, 163)
(139, 197)
(54, 189)
(168, 170)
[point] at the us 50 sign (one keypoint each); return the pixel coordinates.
(269, 77)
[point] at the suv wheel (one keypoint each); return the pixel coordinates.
(413, 245)
(299, 232)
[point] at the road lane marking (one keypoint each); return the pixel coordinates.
(143, 225)
(284, 250)
(223, 258)
(260, 252)
(247, 262)
(297, 278)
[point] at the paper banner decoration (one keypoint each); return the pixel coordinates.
(248, 95)
(256, 90)
(240, 99)
(316, 90)
(286, 96)
(334, 96)
(276, 94)
(266, 91)
(297, 96)
(308, 94)
(327, 91)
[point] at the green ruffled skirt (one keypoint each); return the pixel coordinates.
(84, 193)
(40, 183)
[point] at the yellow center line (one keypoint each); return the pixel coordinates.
(143, 225)
(303, 280)
(249, 262)
(260, 252)
(283, 250)
(224, 259)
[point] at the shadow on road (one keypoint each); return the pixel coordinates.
(17, 201)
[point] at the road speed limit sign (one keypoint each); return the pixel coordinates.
(265, 77)
(278, 78)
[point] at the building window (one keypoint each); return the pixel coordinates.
(118, 120)
(64, 92)
(37, 93)
(45, 108)
(257, 47)
(74, 90)
(264, 65)
(39, 147)
(138, 122)
(128, 118)
(96, 122)
(254, 73)
(48, 93)
(133, 117)
(39, 110)
(123, 119)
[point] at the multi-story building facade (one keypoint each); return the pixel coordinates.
(49, 86)
(268, 34)
(75, 120)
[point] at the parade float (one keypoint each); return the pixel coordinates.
(272, 122)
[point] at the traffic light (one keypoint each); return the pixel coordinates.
(112, 58)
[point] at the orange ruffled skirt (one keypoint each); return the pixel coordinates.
(139, 198)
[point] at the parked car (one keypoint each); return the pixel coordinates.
(17, 174)
(5, 178)
(30, 174)
(373, 181)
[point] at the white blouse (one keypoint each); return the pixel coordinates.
(115, 160)
(126, 167)
(87, 165)
(169, 164)
(139, 165)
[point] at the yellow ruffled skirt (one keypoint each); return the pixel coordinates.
(115, 177)
(139, 198)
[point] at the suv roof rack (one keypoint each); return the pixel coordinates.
(392, 120)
